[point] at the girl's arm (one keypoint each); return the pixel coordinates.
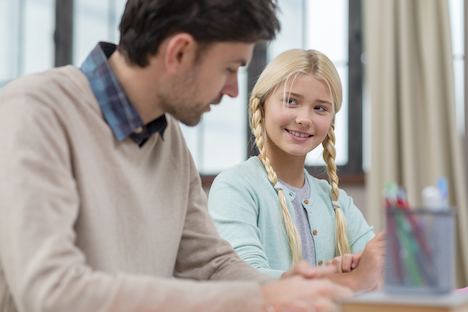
(234, 208)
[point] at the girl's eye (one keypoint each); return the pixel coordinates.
(231, 71)
(290, 101)
(321, 108)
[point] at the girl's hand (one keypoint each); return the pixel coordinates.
(364, 269)
(345, 263)
(371, 264)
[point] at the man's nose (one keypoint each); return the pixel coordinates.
(231, 88)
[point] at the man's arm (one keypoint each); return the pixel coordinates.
(39, 204)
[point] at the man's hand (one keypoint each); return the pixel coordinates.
(304, 269)
(298, 294)
(345, 263)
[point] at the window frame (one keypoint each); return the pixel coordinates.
(63, 35)
(352, 172)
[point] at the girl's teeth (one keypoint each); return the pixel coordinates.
(298, 134)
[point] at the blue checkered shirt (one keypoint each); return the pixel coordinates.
(118, 111)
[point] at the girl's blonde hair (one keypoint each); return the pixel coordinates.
(284, 68)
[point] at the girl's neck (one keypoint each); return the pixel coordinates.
(288, 168)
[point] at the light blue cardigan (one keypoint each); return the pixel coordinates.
(245, 208)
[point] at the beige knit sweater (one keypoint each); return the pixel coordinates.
(91, 224)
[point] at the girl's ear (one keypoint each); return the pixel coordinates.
(180, 49)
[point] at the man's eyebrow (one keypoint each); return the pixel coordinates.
(242, 62)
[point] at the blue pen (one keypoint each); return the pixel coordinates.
(442, 186)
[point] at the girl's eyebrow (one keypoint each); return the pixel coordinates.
(324, 102)
(297, 95)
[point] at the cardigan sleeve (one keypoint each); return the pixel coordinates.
(234, 207)
(359, 232)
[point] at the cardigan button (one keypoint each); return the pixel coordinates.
(320, 262)
(315, 232)
(306, 201)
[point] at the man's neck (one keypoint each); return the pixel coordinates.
(140, 85)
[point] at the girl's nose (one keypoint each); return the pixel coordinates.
(304, 119)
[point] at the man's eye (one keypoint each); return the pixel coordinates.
(231, 70)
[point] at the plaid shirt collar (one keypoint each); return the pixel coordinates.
(118, 111)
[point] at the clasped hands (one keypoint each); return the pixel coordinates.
(320, 289)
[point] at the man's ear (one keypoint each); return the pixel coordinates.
(180, 49)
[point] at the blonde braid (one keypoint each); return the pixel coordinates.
(258, 129)
(329, 153)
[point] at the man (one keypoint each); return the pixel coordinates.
(101, 207)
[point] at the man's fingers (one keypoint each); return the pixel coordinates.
(321, 272)
(338, 264)
(304, 269)
(301, 268)
(356, 259)
(334, 291)
(346, 262)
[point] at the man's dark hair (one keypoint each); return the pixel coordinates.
(146, 23)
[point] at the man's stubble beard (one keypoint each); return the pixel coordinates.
(177, 100)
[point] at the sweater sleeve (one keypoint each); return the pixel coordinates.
(45, 270)
(234, 207)
(203, 254)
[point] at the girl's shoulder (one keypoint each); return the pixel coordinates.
(248, 172)
(247, 180)
(317, 184)
(323, 189)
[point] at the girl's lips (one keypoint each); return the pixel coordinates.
(299, 138)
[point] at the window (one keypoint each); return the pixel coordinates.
(94, 21)
(218, 142)
(221, 140)
(26, 37)
(312, 19)
(456, 10)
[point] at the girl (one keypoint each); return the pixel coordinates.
(272, 211)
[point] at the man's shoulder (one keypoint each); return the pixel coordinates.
(43, 79)
(49, 84)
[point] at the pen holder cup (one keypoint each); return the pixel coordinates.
(420, 251)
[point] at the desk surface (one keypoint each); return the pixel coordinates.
(383, 302)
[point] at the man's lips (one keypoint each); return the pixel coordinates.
(217, 100)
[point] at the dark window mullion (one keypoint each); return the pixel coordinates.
(254, 70)
(355, 75)
(63, 36)
(352, 172)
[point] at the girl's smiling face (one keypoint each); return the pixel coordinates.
(298, 117)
